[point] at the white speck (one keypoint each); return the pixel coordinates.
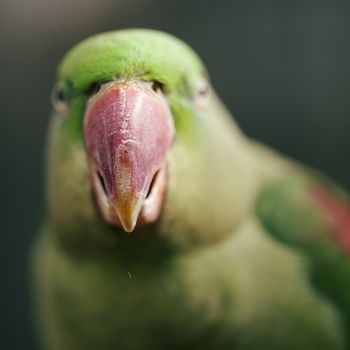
(129, 274)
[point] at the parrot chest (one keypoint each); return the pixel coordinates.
(227, 297)
(104, 304)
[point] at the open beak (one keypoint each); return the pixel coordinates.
(128, 131)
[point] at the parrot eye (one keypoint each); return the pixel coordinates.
(202, 93)
(59, 101)
(157, 86)
(94, 88)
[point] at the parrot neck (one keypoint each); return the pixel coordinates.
(211, 189)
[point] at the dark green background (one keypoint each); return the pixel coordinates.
(283, 68)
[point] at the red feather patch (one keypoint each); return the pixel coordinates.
(337, 214)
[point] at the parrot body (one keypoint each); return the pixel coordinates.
(246, 250)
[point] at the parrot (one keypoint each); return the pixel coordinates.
(167, 227)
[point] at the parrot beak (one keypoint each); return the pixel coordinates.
(128, 131)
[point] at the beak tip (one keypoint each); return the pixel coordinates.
(128, 217)
(128, 228)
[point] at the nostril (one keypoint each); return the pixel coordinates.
(102, 182)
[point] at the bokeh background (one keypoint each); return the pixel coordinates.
(282, 67)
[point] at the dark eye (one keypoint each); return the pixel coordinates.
(156, 86)
(202, 92)
(94, 88)
(59, 100)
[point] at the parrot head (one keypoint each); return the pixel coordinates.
(130, 85)
(137, 132)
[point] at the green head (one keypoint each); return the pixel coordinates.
(132, 54)
(135, 54)
(130, 129)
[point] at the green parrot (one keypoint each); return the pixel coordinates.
(168, 228)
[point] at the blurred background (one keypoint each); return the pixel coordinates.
(282, 67)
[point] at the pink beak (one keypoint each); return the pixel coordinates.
(128, 131)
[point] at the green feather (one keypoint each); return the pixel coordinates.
(131, 54)
(287, 211)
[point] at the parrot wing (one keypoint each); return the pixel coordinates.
(313, 217)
